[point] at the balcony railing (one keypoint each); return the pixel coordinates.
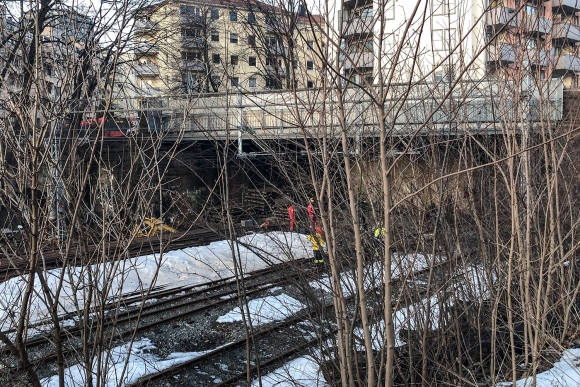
(144, 70)
(145, 26)
(146, 48)
(364, 59)
(567, 63)
(504, 53)
(534, 24)
(358, 26)
(193, 65)
(567, 7)
(192, 19)
(276, 71)
(500, 16)
(566, 33)
(277, 49)
(192, 42)
(538, 57)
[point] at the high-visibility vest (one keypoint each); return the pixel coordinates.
(379, 232)
(317, 242)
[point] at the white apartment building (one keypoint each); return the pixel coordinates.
(444, 39)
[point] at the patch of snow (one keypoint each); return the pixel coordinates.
(301, 372)
(137, 358)
(266, 310)
(176, 268)
(565, 372)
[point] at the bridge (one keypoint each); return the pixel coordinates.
(486, 107)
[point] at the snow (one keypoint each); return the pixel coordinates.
(301, 372)
(137, 358)
(401, 265)
(266, 310)
(176, 268)
(565, 372)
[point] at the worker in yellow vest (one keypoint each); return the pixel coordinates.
(317, 245)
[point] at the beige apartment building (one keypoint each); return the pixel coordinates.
(502, 38)
(215, 46)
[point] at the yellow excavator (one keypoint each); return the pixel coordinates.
(151, 226)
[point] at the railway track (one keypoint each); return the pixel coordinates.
(276, 333)
(182, 302)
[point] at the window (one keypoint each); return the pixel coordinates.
(272, 83)
(295, 64)
(251, 18)
(215, 36)
(309, 84)
(310, 44)
(252, 82)
(234, 60)
(252, 61)
(233, 16)
(216, 58)
(235, 81)
(233, 38)
(368, 11)
(189, 10)
(251, 40)
(369, 45)
(309, 65)
(268, 61)
(301, 10)
(443, 7)
(531, 10)
(215, 14)
(443, 39)
(271, 41)
(216, 80)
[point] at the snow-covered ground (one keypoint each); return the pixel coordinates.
(124, 365)
(176, 268)
(564, 373)
(266, 310)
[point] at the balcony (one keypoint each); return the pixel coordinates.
(503, 53)
(349, 4)
(277, 50)
(566, 33)
(193, 65)
(359, 60)
(192, 42)
(358, 26)
(502, 16)
(143, 27)
(566, 7)
(191, 19)
(276, 71)
(146, 70)
(536, 25)
(566, 63)
(146, 48)
(537, 57)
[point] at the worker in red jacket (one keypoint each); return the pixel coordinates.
(292, 217)
(312, 207)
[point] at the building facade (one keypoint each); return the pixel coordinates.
(216, 46)
(470, 39)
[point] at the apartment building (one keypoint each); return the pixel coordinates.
(59, 49)
(193, 46)
(474, 38)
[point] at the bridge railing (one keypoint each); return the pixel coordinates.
(470, 107)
